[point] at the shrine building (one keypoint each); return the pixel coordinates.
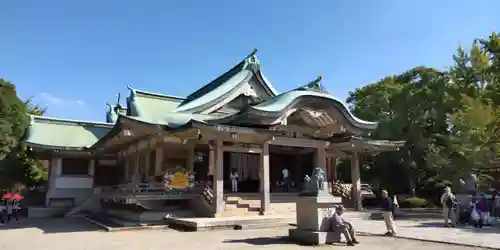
(237, 122)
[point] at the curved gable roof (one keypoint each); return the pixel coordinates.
(222, 86)
(279, 107)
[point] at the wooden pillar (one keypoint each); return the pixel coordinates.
(136, 177)
(190, 157)
(57, 164)
(147, 160)
(91, 167)
(55, 170)
(332, 168)
(356, 181)
(91, 170)
(218, 185)
(126, 173)
(320, 162)
(159, 160)
(265, 199)
(211, 160)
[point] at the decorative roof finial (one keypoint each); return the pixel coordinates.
(132, 93)
(118, 96)
(252, 60)
(314, 85)
(109, 105)
(254, 51)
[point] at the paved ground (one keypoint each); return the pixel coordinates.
(435, 231)
(64, 234)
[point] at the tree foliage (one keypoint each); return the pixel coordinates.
(449, 119)
(16, 165)
(13, 118)
(474, 141)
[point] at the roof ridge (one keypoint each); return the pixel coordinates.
(203, 89)
(314, 85)
(137, 91)
(76, 122)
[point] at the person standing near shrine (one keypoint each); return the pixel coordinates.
(483, 207)
(387, 208)
(449, 204)
(285, 175)
(234, 180)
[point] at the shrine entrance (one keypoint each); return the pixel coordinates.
(247, 166)
(297, 161)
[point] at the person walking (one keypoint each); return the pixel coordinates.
(387, 208)
(3, 214)
(12, 210)
(449, 204)
(345, 227)
(483, 207)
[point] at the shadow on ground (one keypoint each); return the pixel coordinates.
(259, 241)
(53, 225)
(466, 228)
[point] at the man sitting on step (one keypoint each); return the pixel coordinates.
(338, 223)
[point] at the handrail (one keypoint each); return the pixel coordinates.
(134, 189)
(208, 194)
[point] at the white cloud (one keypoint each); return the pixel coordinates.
(50, 99)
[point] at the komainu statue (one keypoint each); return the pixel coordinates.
(314, 185)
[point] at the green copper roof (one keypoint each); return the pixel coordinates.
(222, 85)
(274, 108)
(150, 105)
(172, 120)
(64, 134)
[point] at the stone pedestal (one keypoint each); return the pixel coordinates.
(313, 225)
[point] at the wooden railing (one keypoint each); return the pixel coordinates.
(204, 200)
(208, 194)
(151, 188)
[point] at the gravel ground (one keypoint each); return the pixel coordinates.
(75, 234)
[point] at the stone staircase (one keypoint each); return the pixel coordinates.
(249, 204)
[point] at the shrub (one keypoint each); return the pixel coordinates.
(413, 202)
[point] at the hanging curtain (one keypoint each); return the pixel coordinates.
(246, 165)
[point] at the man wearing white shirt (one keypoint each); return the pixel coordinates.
(234, 180)
(285, 174)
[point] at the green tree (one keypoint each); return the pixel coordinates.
(411, 106)
(474, 141)
(442, 116)
(13, 118)
(17, 166)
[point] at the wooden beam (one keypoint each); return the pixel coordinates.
(237, 149)
(296, 142)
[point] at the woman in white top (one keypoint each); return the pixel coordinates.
(234, 180)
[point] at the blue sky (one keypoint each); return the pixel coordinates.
(74, 56)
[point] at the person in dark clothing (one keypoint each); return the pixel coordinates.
(387, 207)
(492, 204)
(483, 208)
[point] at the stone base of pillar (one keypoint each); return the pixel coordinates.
(265, 213)
(313, 220)
(314, 238)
